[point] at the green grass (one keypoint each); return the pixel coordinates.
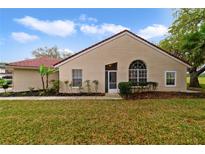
(201, 81)
(174, 121)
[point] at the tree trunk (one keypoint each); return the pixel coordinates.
(46, 81)
(194, 74)
(43, 82)
(194, 82)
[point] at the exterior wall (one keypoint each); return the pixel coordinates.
(25, 78)
(124, 51)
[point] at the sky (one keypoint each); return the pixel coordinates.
(71, 30)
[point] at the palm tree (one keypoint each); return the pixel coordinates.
(45, 71)
(42, 71)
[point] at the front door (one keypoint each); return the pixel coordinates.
(112, 81)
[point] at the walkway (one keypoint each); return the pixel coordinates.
(63, 98)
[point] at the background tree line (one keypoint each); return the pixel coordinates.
(53, 52)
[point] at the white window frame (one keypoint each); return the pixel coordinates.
(138, 75)
(79, 78)
(175, 79)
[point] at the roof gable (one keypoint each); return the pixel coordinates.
(115, 37)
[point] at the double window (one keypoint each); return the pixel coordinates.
(170, 78)
(138, 72)
(77, 77)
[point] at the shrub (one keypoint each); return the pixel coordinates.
(70, 86)
(9, 81)
(1, 82)
(5, 86)
(66, 84)
(96, 85)
(125, 88)
(144, 86)
(80, 88)
(31, 90)
(42, 93)
(87, 82)
(55, 86)
(152, 85)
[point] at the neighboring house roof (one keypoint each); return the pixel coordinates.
(35, 63)
(114, 37)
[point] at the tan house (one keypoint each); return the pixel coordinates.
(26, 73)
(123, 57)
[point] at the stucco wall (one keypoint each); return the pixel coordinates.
(25, 78)
(124, 51)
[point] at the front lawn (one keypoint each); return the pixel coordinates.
(173, 121)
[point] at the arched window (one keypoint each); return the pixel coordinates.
(138, 72)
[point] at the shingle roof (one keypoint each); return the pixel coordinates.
(182, 60)
(35, 63)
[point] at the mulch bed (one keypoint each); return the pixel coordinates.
(41, 93)
(138, 95)
(166, 95)
(81, 94)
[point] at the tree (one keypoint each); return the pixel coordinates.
(53, 52)
(45, 51)
(42, 71)
(4, 84)
(186, 23)
(193, 46)
(65, 54)
(45, 72)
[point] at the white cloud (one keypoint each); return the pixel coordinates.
(60, 28)
(66, 50)
(84, 17)
(23, 37)
(156, 30)
(102, 29)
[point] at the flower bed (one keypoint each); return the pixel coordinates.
(165, 95)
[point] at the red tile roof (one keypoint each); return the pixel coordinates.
(35, 63)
